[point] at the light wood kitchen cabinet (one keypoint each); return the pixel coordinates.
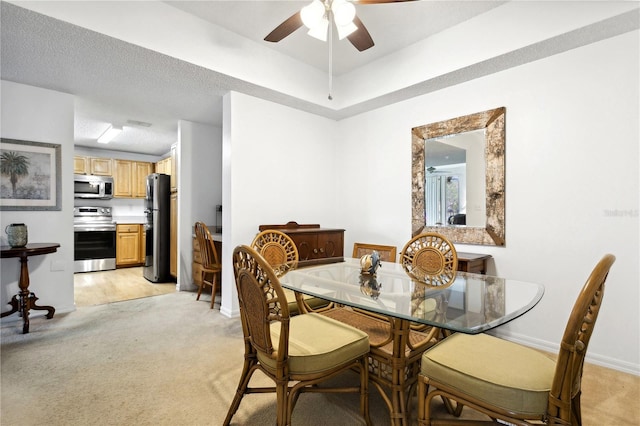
(173, 169)
(122, 178)
(130, 178)
(92, 166)
(128, 245)
(168, 167)
(173, 235)
(141, 171)
(80, 165)
(164, 166)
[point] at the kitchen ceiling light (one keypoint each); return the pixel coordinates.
(109, 134)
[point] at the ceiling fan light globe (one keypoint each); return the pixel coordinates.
(312, 14)
(345, 30)
(343, 12)
(320, 30)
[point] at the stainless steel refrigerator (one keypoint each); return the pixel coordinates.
(157, 211)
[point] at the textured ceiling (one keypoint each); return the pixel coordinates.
(118, 82)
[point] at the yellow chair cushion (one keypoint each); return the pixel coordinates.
(318, 343)
(501, 373)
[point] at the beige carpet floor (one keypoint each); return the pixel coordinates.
(170, 360)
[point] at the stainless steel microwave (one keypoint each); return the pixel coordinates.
(89, 186)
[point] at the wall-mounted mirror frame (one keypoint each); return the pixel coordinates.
(493, 122)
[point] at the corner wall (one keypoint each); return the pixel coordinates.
(39, 115)
(278, 166)
(199, 152)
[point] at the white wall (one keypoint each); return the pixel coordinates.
(281, 164)
(199, 165)
(33, 114)
(572, 184)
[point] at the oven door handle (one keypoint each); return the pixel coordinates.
(94, 229)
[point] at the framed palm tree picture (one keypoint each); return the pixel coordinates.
(29, 175)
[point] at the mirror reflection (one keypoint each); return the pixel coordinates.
(454, 179)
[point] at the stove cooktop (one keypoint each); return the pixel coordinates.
(90, 217)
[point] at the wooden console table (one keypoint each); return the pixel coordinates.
(315, 245)
(473, 262)
(24, 301)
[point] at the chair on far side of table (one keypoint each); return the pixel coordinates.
(390, 367)
(299, 354)
(211, 266)
(280, 251)
(509, 382)
(387, 253)
(431, 258)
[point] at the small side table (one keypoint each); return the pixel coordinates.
(24, 301)
(473, 262)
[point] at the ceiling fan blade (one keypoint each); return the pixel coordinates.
(287, 27)
(360, 38)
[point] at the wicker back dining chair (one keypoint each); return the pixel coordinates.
(510, 382)
(298, 353)
(387, 253)
(430, 258)
(280, 251)
(211, 266)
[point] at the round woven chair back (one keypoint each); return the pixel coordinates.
(431, 258)
(278, 249)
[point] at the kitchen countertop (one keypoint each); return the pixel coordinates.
(141, 219)
(129, 219)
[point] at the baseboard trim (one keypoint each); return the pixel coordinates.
(603, 361)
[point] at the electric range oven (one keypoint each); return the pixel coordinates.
(94, 234)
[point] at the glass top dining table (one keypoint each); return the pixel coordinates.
(471, 303)
(463, 302)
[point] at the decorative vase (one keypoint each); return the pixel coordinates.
(17, 234)
(369, 263)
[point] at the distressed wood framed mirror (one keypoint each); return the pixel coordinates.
(458, 179)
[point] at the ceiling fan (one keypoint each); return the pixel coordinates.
(433, 171)
(318, 15)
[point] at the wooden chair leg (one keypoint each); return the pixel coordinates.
(247, 371)
(214, 289)
(199, 291)
(423, 388)
(364, 390)
(283, 414)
